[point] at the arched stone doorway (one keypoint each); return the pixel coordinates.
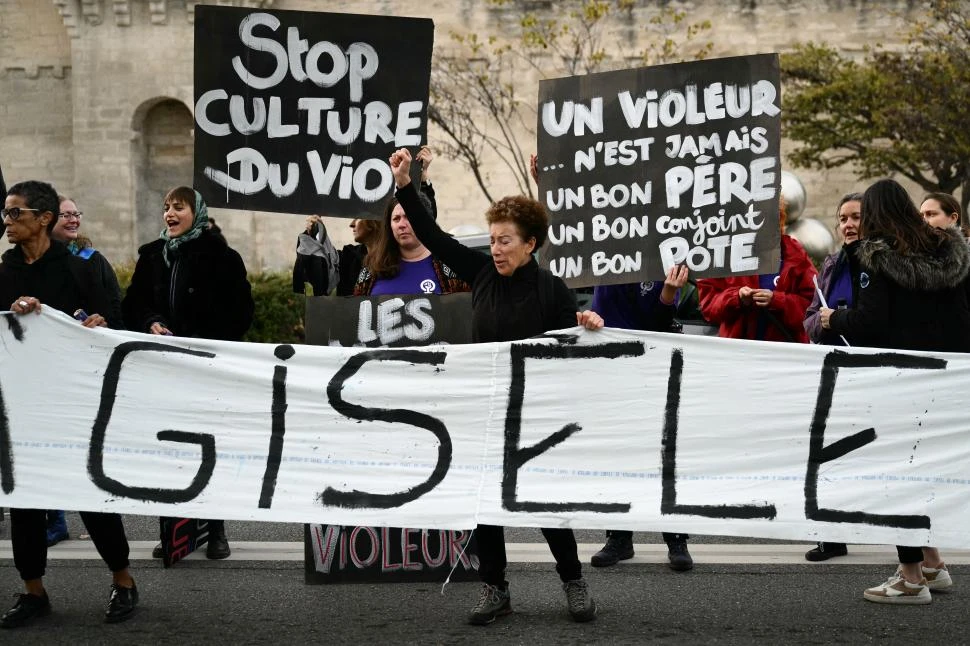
(162, 160)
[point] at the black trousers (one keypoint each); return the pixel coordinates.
(909, 554)
(668, 537)
(28, 536)
(492, 560)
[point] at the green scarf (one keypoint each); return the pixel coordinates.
(199, 224)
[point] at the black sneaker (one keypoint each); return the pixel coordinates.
(121, 603)
(679, 557)
(493, 602)
(580, 602)
(825, 551)
(157, 552)
(28, 607)
(618, 548)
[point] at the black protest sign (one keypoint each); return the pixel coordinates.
(388, 321)
(180, 537)
(337, 554)
(646, 168)
(298, 111)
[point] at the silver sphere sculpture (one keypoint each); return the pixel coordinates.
(814, 236)
(793, 192)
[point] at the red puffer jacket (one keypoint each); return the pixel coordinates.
(792, 296)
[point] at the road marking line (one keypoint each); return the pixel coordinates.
(713, 553)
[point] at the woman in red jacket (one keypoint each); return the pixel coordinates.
(769, 307)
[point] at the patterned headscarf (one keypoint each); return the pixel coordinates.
(199, 224)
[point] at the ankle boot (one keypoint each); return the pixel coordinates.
(218, 545)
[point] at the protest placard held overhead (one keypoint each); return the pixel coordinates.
(298, 111)
(646, 168)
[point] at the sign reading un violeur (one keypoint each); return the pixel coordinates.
(646, 168)
(298, 111)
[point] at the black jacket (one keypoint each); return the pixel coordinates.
(203, 294)
(58, 279)
(108, 280)
(908, 302)
(504, 308)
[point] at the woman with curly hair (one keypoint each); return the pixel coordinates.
(512, 299)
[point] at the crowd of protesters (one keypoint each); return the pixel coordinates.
(898, 262)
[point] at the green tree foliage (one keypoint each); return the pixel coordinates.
(893, 112)
(482, 95)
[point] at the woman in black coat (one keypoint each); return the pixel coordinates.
(190, 283)
(910, 293)
(512, 299)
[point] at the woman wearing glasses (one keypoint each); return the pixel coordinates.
(41, 270)
(68, 230)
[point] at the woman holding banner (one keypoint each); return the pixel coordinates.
(512, 299)
(68, 231)
(835, 284)
(911, 293)
(769, 307)
(39, 270)
(190, 283)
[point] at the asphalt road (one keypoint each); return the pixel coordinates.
(260, 602)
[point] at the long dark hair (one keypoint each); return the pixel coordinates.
(383, 259)
(888, 212)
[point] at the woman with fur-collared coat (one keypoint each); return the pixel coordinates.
(910, 293)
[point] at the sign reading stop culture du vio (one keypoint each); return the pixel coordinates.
(298, 111)
(646, 168)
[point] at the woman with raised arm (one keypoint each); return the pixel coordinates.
(512, 299)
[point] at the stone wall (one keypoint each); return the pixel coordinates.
(98, 98)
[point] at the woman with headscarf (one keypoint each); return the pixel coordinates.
(190, 283)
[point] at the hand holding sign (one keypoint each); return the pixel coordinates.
(400, 162)
(676, 279)
(424, 159)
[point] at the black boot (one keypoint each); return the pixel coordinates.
(218, 545)
(619, 547)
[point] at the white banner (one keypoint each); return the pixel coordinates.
(609, 429)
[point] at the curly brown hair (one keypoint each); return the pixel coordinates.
(528, 216)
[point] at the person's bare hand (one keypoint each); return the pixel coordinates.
(762, 297)
(589, 320)
(425, 156)
(311, 220)
(744, 295)
(400, 162)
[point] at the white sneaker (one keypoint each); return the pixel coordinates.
(937, 578)
(898, 590)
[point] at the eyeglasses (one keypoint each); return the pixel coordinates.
(67, 215)
(15, 212)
